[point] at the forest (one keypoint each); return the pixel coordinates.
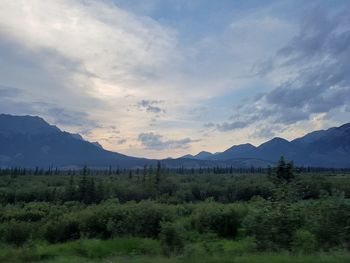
(155, 214)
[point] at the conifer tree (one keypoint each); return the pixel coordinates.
(70, 190)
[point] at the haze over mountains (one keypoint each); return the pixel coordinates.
(27, 141)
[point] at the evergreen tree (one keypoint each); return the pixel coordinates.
(70, 193)
(158, 173)
(284, 171)
(100, 192)
(83, 184)
(90, 195)
(144, 174)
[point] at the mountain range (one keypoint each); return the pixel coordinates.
(323, 148)
(29, 141)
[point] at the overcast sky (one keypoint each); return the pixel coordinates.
(160, 78)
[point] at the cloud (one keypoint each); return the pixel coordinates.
(264, 132)
(209, 125)
(229, 126)
(153, 141)
(89, 64)
(51, 113)
(91, 31)
(39, 83)
(9, 92)
(80, 64)
(71, 118)
(318, 79)
(151, 106)
(318, 57)
(121, 141)
(267, 131)
(88, 50)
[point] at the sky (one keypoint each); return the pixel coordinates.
(164, 78)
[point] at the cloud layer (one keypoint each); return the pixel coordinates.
(158, 78)
(151, 106)
(153, 141)
(318, 81)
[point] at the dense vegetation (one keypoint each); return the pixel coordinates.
(198, 215)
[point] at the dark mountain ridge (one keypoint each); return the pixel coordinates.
(27, 141)
(324, 148)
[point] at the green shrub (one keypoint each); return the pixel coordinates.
(331, 224)
(93, 222)
(171, 238)
(273, 227)
(61, 231)
(142, 219)
(304, 242)
(15, 232)
(220, 219)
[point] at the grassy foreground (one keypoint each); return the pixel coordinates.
(140, 250)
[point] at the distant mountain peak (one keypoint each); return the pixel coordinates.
(4, 116)
(25, 124)
(203, 154)
(97, 144)
(187, 156)
(240, 147)
(345, 126)
(77, 136)
(278, 139)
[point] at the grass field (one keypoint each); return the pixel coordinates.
(141, 250)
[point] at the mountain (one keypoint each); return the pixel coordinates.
(324, 148)
(26, 125)
(200, 156)
(28, 141)
(236, 151)
(329, 148)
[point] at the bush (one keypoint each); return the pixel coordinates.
(131, 219)
(304, 242)
(220, 219)
(93, 222)
(15, 232)
(273, 227)
(171, 238)
(331, 225)
(61, 231)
